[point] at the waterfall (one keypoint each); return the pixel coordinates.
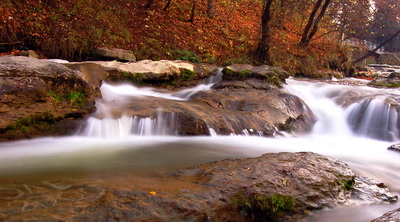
(368, 115)
(374, 118)
(125, 126)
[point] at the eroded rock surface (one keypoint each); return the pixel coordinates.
(391, 216)
(279, 187)
(40, 93)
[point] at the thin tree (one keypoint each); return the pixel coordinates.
(192, 14)
(313, 21)
(262, 52)
(149, 4)
(210, 8)
(167, 5)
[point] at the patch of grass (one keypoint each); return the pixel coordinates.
(229, 74)
(76, 98)
(260, 206)
(345, 183)
(26, 123)
(392, 85)
(73, 98)
(55, 96)
(187, 74)
(187, 56)
(274, 80)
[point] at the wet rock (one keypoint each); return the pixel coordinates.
(273, 187)
(391, 81)
(35, 94)
(256, 108)
(391, 216)
(394, 147)
(114, 54)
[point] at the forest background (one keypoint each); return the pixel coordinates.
(212, 31)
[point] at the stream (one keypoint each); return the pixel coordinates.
(116, 151)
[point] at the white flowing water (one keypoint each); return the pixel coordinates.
(138, 145)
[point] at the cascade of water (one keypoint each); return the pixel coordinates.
(374, 118)
(123, 127)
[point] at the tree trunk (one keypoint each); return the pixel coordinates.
(319, 18)
(369, 53)
(149, 4)
(210, 8)
(193, 12)
(262, 52)
(310, 22)
(167, 5)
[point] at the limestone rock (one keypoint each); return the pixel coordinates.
(155, 73)
(273, 187)
(114, 54)
(391, 81)
(38, 91)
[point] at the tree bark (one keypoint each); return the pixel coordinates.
(192, 14)
(310, 22)
(210, 8)
(369, 53)
(149, 4)
(262, 53)
(167, 5)
(317, 20)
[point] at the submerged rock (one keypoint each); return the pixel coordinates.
(273, 187)
(391, 216)
(35, 94)
(395, 147)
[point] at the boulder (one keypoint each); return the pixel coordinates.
(273, 187)
(391, 216)
(35, 94)
(114, 54)
(391, 81)
(274, 75)
(395, 147)
(233, 107)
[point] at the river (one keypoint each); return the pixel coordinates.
(115, 151)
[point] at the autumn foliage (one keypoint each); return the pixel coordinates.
(70, 29)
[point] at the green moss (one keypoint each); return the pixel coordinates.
(187, 74)
(55, 96)
(187, 56)
(392, 85)
(73, 98)
(349, 184)
(345, 183)
(274, 80)
(76, 98)
(26, 123)
(260, 206)
(229, 74)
